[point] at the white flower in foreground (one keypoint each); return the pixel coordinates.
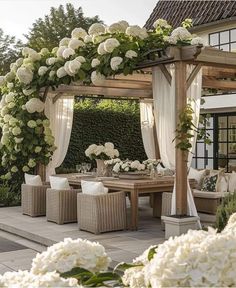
(115, 62)
(68, 52)
(25, 75)
(96, 29)
(42, 70)
(19, 62)
(131, 54)
(64, 256)
(95, 62)
(137, 31)
(162, 23)
(28, 92)
(134, 277)
(10, 76)
(31, 54)
(25, 279)
(10, 85)
(88, 39)
(197, 41)
(25, 168)
(73, 66)
(75, 44)
(101, 50)
(2, 80)
(31, 124)
(97, 78)
(61, 72)
(124, 24)
(78, 33)
(11, 105)
(51, 60)
(60, 51)
(10, 97)
(117, 27)
(34, 105)
(111, 44)
(16, 131)
(179, 34)
(64, 41)
(44, 51)
(81, 59)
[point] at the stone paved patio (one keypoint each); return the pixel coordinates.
(120, 245)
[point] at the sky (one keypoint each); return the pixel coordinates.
(17, 16)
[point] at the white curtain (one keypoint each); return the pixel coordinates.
(164, 111)
(147, 126)
(60, 115)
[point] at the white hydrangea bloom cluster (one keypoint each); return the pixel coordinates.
(179, 34)
(96, 29)
(112, 161)
(97, 78)
(161, 23)
(64, 256)
(197, 41)
(106, 151)
(25, 75)
(115, 62)
(25, 279)
(137, 31)
(118, 27)
(131, 54)
(34, 105)
(128, 166)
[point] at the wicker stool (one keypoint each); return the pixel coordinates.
(61, 205)
(101, 213)
(166, 206)
(33, 200)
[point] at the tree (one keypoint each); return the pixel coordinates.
(58, 24)
(9, 51)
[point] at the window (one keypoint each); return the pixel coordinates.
(222, 152)
(224, 40)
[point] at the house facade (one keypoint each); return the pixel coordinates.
(215, 23)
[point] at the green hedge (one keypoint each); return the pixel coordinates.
(100, 121)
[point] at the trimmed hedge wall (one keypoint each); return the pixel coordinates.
(100, 121)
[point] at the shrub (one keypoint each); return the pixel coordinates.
(225, 209)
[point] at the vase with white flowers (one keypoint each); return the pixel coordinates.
(129, 168)
(101, 153)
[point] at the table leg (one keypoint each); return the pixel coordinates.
(157, 204)
(134, 210)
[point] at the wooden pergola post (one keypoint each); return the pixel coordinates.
(180, 156)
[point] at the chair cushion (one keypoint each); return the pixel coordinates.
(93, 188)
(232, 182)
(34, 180)
(59, 183)
(209, 183)
(208, 195)
(198, 175)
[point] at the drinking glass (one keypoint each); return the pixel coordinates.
(78, 168)
(88, 166)
(84, 167)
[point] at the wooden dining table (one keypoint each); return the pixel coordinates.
(135, 187)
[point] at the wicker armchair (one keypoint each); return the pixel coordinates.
(33, 200)
(61, 205)
(101, 213)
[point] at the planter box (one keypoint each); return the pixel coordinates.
(175, 226)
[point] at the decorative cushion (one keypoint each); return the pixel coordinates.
(198, 175)
(209, 183)
(34, 180)
(232, 182)
(59, 183)
(93, 188)
(222, 182)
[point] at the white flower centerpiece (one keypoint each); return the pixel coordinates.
(127, 169)
(101, 153)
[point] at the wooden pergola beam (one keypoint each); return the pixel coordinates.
(219, 72)
(218, 84)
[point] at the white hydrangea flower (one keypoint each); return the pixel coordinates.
(124, 24)
(179, 34)
(162, 23)
(25, 75)
(88, 39)
(10, 85)
(28, 92)
(5, 139)
(101, 50)
(96, 29)
(13, 121)
(16, 131)
(134, 277)
(10, 76)
(65, 255)
(42, 70)
(197, 41)
(25, 168)
(37, 149)
(68, 52)
(75, 44)
(2, 80)
(97, 78)
(19, 62)
(31, 124)
(11, 105)
(51, 60)
(31, 54)
(9, 97)
(81, 59)
(131, 54)
(52, 73)
(26, 279)
(111, 44)
(31, 163)
(14, 169)
(44, 51)
(95, 62)
(117, 27)
(34, 105)
(61, 72)
(64, 42)
(68, 71)
(78, 33)
(115, 62)
(18, 140)
(96, 39)
(60, 51)
(137, 31)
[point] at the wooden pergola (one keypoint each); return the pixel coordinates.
(219, 72)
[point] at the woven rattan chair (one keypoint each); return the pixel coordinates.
(101, 213)
(61, 205)
(33, 200)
